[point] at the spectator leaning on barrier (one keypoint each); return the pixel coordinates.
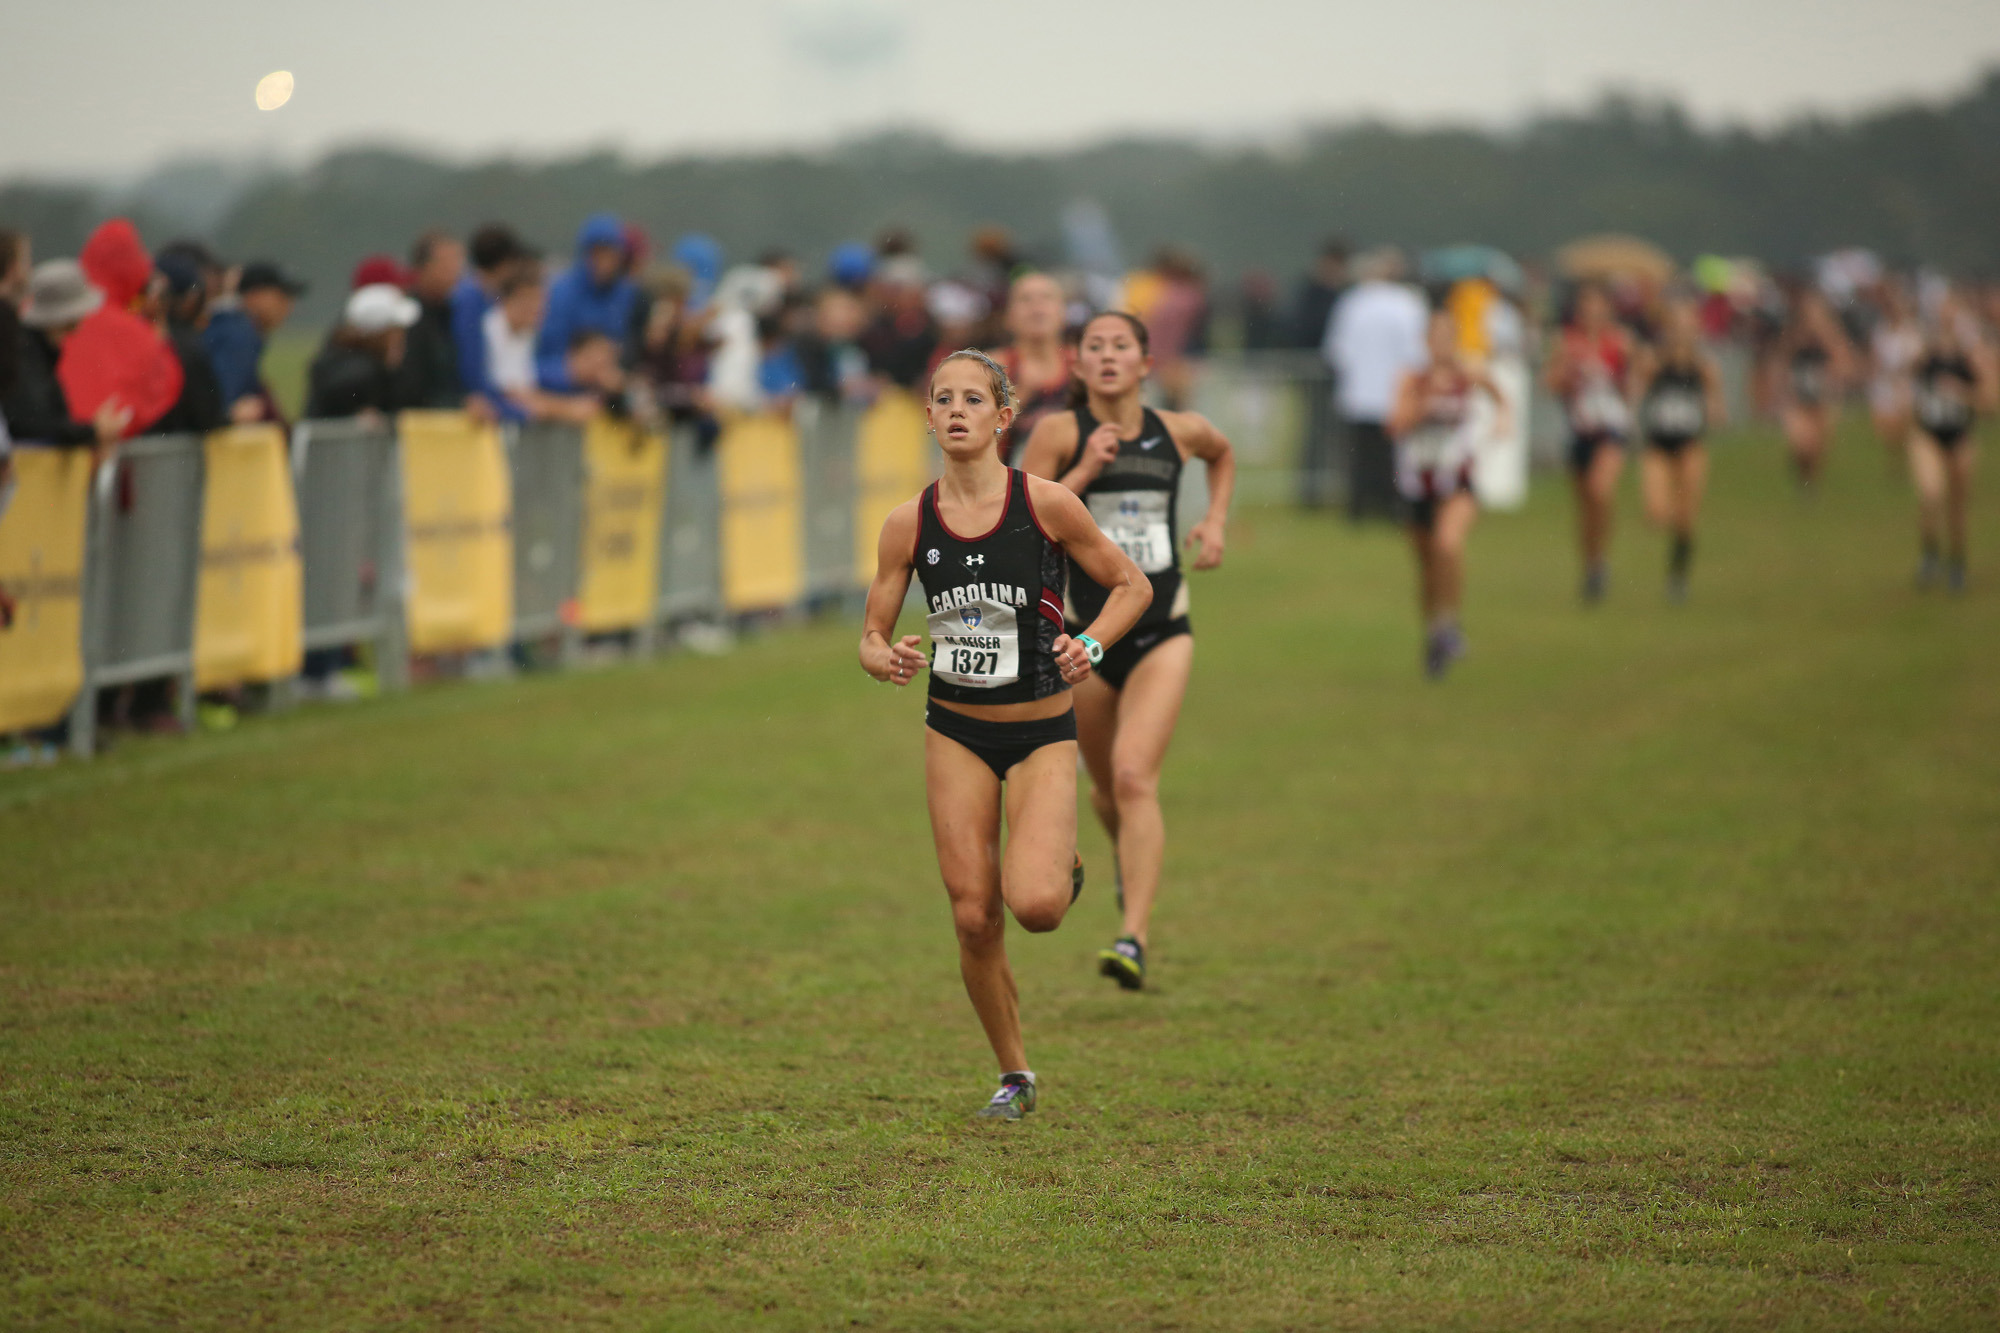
(429, 374)
(119, 351)
(594, 294)
(354, 374)
(237, 331)
(1374, 337)
(36, 408)
(493, 253)
(185, 307)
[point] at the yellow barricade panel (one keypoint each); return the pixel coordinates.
(41, 567)
(458, 517)
(892, 463)
(625, 492)
(763, 539)
(248, 606)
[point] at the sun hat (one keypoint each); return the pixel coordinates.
(59, 294)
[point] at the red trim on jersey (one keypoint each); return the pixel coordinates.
(1028, 494)
(1005, 505)
(918, 540)
(1052, 606)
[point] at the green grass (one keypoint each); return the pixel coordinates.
(1642, 975)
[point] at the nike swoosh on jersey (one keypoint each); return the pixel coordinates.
(1149, 442)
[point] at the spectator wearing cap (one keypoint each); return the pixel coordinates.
(354, 374)
(34, 403)
(429, 375)
(493, 253)
(595, 294)
(237, 331)
(184, 298)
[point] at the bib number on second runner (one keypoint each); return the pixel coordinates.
(1137, 522)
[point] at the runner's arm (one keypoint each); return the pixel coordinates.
(1212, 447)
(880, 652)
(1503, 411)
(1049, 444)
(1063, 516)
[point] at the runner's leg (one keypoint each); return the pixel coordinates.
(1096, 727)
(965, 824)
(1927, 478)
(1958, 494)
(1035, 876)
(1148, 708)
(1455, 517)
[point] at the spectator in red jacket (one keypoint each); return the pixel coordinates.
(118, 352)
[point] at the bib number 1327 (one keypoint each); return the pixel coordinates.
(972, 662)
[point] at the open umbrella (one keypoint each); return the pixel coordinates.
(1455, 263)
(1614, 256)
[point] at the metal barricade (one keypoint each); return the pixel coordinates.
(140, 575)
(1276, 407)
(350, 499)
(691, 542)
(546, 461)
(827, 441)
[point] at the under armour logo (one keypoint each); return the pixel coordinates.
(973, 560)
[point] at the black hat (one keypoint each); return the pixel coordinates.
(263, 273)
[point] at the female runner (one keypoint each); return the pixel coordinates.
(1433, 424)
(1678, 398)
(1954, 377)
(1000, 732)
(1587, 372)
(1817, 363)
(1893, 348)
(1126, 460)
(1038, 362)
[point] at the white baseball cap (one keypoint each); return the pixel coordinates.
(378, 307)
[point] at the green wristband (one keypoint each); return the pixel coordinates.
(1091, 648)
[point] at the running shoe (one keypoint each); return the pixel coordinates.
(1124, 962)
(1076, 877)
(1454, 642)
(1954, 576)
(1928, 570)
(1596, 580)
(1437, 654)
(1015, 1099)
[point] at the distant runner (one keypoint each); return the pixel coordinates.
(1954, 379)
(1678, 393)
(1588, 373)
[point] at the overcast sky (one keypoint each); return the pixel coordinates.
(92, 87)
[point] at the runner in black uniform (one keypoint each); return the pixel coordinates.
(1000, 732)
(1817, 363)
(1678, 394)
(1125, 460)
(1953, 378)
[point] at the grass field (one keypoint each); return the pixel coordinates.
(1642, 975)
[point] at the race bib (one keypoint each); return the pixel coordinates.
(1599, 406)
(976, 645)
(1676, 412)
(1941, 405)
(1137, 522)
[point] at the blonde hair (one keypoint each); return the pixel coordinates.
(1003, 388)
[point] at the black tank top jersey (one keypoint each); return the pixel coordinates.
(1944, 395)
(1809, 364)
(1675, 408)
(1133, 503)
(993, 603)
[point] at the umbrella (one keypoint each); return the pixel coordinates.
(1613, 256)
(1455, 263)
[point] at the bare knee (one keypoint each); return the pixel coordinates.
(977, 920)
(1132, 784)
(1040, 916)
